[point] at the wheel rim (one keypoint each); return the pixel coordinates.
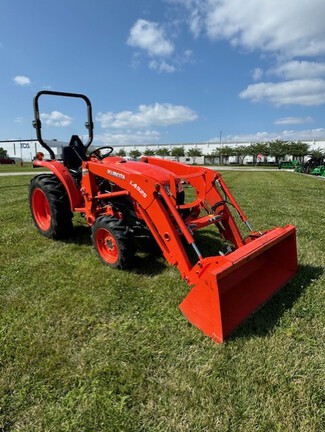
(107, 246)
(41, 209)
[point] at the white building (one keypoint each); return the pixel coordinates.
(206, 147)
(26, 149)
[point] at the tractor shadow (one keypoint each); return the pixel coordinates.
(149, 259)
(81, 235)
(147, 265)
(268, 317)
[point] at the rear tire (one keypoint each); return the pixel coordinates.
(50, 207)
(112, 242)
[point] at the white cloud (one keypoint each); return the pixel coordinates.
(289, 35)
(146, 116)
(22, 80)
(300, 92)
(286, 135)
(296, 69)
(150, 37)
(161, 66)
(257, 74)
(293, 120)
(19, 119)
(195, 20)
(56, 118)
(296, 29)
(188, 54)
(128, 138)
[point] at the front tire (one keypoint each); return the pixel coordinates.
(50, 207)
(112, 242)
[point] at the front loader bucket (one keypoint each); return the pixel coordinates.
(236, 285)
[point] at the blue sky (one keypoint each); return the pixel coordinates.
(165, 71)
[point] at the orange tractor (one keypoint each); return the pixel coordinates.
(166, 203)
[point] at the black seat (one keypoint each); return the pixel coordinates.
(75, 141)
(74, 153)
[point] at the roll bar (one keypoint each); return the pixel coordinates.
(38, 124)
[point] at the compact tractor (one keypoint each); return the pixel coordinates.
(166, 203)
(315, 166)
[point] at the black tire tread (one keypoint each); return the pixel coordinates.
(121, 233)
(61, 215)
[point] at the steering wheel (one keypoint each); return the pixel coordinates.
(97, 150)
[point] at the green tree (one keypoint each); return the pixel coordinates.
(121, 153)
(194, 152)
(317, 152)
(163, 152)
(278, 149)
(3, 152)
(298, 150)
(134, 154)
(178, 152)
(241, 152)
(260, 148)
(224, 152)
(149, 152)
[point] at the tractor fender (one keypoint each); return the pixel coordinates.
(61, 172)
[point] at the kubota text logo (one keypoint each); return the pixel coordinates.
(139, 189)
(116, 174)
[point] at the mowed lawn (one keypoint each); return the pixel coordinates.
(86, 348)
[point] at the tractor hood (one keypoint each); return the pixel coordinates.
(155, 172)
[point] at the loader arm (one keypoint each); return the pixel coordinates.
(212, 194)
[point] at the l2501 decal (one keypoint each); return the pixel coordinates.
(138, 188)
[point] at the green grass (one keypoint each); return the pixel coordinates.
(17, 168)
(86, 348)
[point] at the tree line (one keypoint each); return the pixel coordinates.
(176, 152)
(259, 151)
